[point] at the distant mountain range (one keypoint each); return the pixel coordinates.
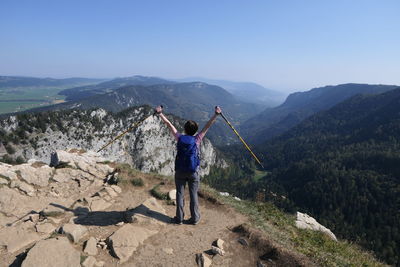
(298, 106)
(195, 100)
(17, 81)
(246, 91)
(77, 93)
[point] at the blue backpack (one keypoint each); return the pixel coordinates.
(187, 158)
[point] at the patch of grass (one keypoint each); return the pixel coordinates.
(155, 192)
(54, 235)
(259, 174)
(137, 182)
(83, 258)
(280, 228)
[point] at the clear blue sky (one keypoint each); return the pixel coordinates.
(281, 44)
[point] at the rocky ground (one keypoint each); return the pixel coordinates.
(75, 215)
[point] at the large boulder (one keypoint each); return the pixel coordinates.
(6, 171)
(74, 232)
(24, 187)
(52, 252)
(35, 176)
(305, 221)
(126, 240)
(87, 161)
(17, 237)
(90, 246)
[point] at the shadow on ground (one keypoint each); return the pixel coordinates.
(106, 218)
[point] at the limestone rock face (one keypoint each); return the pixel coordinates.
(305, 221)
(126, 240)
(52, 252)
(149, 147)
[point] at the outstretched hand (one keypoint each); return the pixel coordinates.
(218, 110)
(159, 109)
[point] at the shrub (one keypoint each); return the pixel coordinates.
(157, 194)
(137, 182)
(10, 149)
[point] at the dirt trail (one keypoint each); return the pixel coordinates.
(177, 245)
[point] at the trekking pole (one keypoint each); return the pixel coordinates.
(241, 139)
(127, 131)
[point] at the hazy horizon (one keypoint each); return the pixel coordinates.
(286, 46)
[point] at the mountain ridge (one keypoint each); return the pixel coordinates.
(300, 105)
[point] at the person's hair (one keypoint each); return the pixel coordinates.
(191, 127)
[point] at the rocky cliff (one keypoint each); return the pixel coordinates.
(149, 147)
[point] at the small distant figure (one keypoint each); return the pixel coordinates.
(187, 163)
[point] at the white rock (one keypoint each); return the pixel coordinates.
(90, 247)
(217, 250)
(304, 221)
(224, 194)
(202, 260)
(150, 211)
(3, 181)
(89, 262)
(16, 238)
(74, 232)
(52, 252)
(126, 240)
(169, 251)
(172, 194)
(35, 176)
(236, 198)
(24, 187)
(220, 243)
(45, 228)
(5, 170)
(99, 205)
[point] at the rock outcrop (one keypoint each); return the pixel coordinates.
(52, 252)
(126, 240)
(31, 199)
(305, 221)
(149, 147)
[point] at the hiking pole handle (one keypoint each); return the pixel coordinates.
(241, 139)
(155, 111)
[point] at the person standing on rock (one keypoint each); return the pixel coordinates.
(187, 164)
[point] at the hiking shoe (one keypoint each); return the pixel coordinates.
(176, 221)
(191, 221)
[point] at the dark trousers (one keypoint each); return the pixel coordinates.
(193, 179)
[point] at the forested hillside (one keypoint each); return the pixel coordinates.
(299, 106)
(342, 166)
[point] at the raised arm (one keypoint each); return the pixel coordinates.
(166, 121)
(211, 121)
